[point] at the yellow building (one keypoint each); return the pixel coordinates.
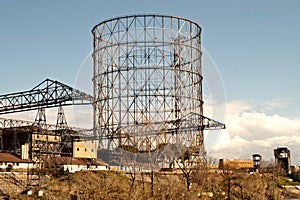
(86, 149)
(235, 164)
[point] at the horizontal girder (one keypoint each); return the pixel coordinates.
(6, 123)
(47, 94)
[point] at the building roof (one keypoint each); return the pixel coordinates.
(7, 157)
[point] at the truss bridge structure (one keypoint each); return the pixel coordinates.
(47, 94)
(46, 145)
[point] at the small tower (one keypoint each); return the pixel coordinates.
(257, 159)
(283, 159)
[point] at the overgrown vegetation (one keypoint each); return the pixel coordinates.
(166, 185)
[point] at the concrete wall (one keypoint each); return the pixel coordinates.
(235, 164)
(87, 149)
(74, 168)
(25, 151)
(4, 165)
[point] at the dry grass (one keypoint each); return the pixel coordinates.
(114, 185)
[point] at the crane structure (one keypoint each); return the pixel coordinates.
(47, 94)
(45, 144)
(147, 96)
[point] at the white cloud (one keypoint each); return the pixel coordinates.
(277, 103)
(249, 131)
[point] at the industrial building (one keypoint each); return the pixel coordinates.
(234, 164)
(283, 160)
(257, 162)
(147, 101)
(25, 141)
(8, 162)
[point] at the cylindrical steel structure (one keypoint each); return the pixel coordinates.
(147, 79)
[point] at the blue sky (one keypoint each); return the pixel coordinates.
(254, 44)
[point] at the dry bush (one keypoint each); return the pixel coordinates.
(114, 185)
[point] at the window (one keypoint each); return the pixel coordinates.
(77, 149)
(92, 150)
(85, 150)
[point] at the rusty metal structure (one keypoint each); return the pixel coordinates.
(147, 96)
(148, 83)
(49, 93)
(283, 160)
(45, 142)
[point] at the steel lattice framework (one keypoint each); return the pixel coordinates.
(45, 141)
(148, 82)
(47, 94)
(7, 123)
